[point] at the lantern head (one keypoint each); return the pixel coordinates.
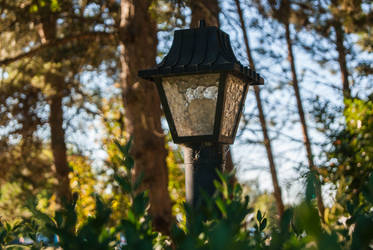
(202, 86)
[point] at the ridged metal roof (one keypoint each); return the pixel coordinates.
(201, 50)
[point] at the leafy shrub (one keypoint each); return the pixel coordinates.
(223, 222)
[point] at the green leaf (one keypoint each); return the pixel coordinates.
(58, 218)
(259, 216)
(129, 163)
(131, 216)
(219, 202)
(286, 219)
(138, 181)
(139, 204)
(263, 224)
(350, 207)
(124, 183)
(310, 186)
(126, 148)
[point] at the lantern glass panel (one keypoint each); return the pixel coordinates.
(192, 101)
(234, 93)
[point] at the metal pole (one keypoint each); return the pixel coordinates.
(201, 162)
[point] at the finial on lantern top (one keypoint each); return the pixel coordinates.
(202, 23)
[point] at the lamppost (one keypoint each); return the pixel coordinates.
(202, 87)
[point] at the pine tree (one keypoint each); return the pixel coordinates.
(47, 52)
(282, 11)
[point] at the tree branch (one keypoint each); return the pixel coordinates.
(57, 42)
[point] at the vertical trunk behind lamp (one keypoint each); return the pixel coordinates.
(306, 139)
(138, 49)
(339, 39)
(47, 33)
(262, 119)
(59, 148)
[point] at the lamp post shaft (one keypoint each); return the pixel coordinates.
(201, 163)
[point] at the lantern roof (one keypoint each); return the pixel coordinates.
(201, 50)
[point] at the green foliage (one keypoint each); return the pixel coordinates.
(176, 180)
(8, 232)
(83, 182)
(350, 160)
(349, 169)
(136, 227)
(220, 222)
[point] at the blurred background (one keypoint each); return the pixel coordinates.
(69, 89)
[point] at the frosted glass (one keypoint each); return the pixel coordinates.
(192, 101)
(234, 93)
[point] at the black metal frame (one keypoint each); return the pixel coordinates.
(217, 136)
(204, 50)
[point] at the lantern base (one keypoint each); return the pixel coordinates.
(201, 164)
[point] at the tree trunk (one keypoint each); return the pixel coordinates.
(59, 148)
(138, 49)
(339, 34)
(267, 141)
(47, 32)
(306, 139)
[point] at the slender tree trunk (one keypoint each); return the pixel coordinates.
(209, 10)
(59, 148)
(138, 49)
(306, 139)
(267, 141)
(47, 32)
(339, 34)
